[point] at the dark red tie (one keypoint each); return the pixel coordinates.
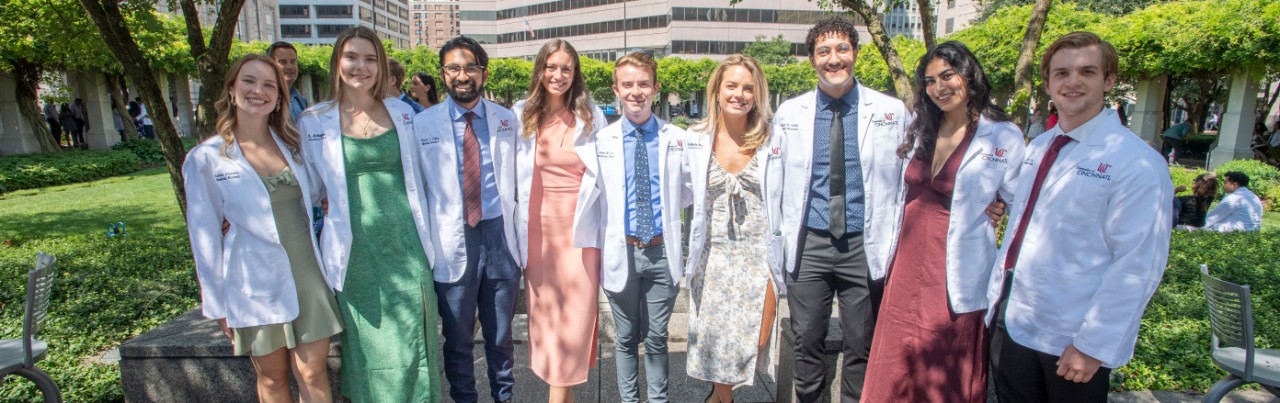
(1015, 244)
(471, 172)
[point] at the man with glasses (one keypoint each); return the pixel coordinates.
(470, 196)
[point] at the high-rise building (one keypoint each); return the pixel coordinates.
(955, 15)
(258, 21)
(433, 22)
(607, 29)
(904, 20)
(320, 21)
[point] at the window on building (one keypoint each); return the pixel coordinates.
(295, 30)
(295, 11)
(951, 23)
(333, 12)
(330, 31)
(366, 15)
(951, 4)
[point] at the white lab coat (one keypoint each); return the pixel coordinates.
(882, 123)
(990, 166)
(244, 275)
(322, 145)
(611, 185)
(1095, 247)
(586, 216)
(436, 147)
(698, 161)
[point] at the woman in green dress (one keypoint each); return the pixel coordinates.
(259, 277)
(374, 237)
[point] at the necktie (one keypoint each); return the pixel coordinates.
(1046, 162)
(471, 172)
(836, 200)
(644, 195)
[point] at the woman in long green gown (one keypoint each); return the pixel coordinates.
(375, 233)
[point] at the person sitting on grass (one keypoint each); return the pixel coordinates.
(1239, 210)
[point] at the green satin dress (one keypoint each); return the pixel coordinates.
(390, 351)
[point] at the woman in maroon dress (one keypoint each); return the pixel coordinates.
(929, 341)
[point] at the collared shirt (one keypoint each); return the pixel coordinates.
(297, 103)
(650, 128)
(412, 104)
(50, 111)
(820, 187)
(1081, 133)
(490, 205)
(1240, 210)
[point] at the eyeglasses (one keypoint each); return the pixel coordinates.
(454, 70)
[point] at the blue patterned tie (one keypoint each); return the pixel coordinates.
(644, 195)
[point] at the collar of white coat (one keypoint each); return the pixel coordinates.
(1088, 131)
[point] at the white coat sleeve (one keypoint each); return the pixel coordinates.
(204, 225)
(1137, 233)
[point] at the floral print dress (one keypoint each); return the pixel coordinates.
(728, 294)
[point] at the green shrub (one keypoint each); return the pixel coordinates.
(1199, 144)
(31, 171)
(106, 290)
(1262, 177)
(682, 121)
(1173, 344)
(148, 151)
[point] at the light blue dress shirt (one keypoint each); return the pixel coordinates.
(655, 184)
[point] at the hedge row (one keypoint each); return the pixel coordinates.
(30, 171)
(1173, 345)
(1264, 180)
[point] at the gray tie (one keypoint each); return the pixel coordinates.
(836, 201)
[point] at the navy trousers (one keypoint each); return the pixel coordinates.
(490, 284)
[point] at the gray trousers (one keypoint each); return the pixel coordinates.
(642, 310)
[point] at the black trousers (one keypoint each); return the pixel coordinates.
(1025, 375)
(827, 268)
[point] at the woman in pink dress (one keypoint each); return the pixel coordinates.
(562, 277)
(930, 342)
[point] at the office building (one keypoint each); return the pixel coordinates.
(955, 15)
(321, 21)
(607, 29)
(433, 22)
(259, 20)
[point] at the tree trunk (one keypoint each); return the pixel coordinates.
(120, 106)
(1022, 81)
(928, 23)
(875, 26)
(211, 61)
(26, 75)
(108, 19)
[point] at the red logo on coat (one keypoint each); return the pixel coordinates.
(888, 116)
(1000, 152)
(505, 123)
(1103, 167)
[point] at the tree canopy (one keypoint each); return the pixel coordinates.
(766, 51)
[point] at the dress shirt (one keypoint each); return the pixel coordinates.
(297, 103)
(655, 185)
(489, 202)
(1240, 210)
(820, 187)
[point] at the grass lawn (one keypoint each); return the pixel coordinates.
(107, 289)
(1270, 221)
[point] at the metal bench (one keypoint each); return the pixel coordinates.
(1231, 319)
(18, 357)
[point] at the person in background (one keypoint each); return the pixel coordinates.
(424, 90)
(68, 119)
(147, 129)
(1053, 116)
(963, 152)
(376, 238)
(1087, 241)
(1173, 138)
(397, 79)
(260, 277)
(54, 119)
(286, 56)
(471, 197)
(732, 291)
(78, 108)
(1239, 210)
(1192, 210)
(562, 273)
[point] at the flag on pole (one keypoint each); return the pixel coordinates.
(529, 29)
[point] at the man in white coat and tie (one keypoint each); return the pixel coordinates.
(1087, 241)
(642, 188)
(841, 210)
(471, 197)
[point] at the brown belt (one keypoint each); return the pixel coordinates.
(655, 241)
